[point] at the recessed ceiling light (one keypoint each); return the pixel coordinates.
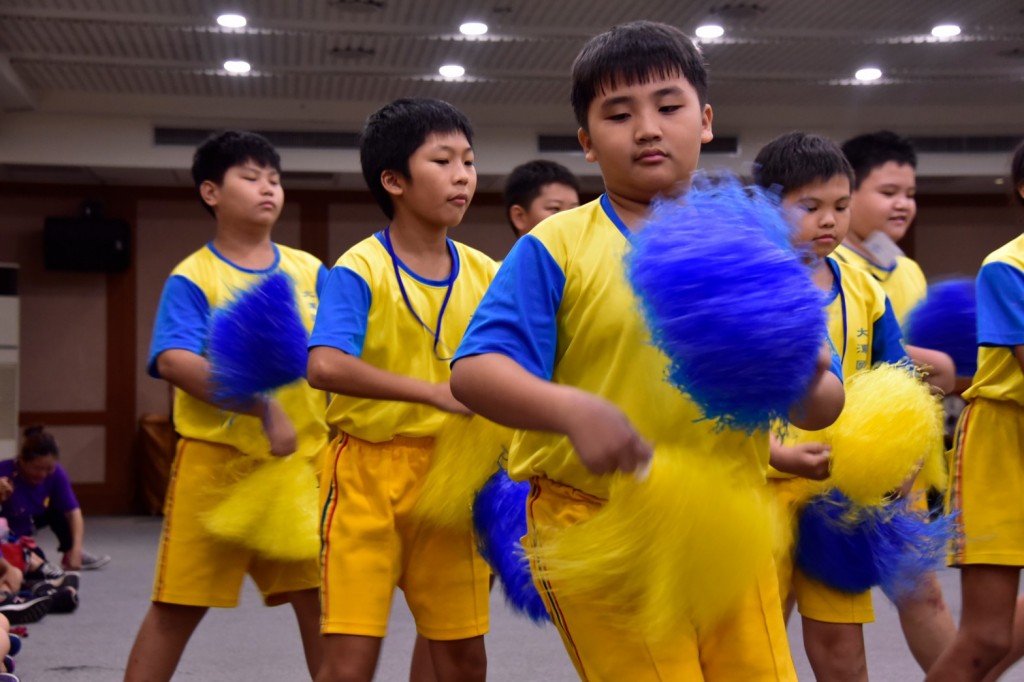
(236, 66)
(946, 31)
(451, 71)
(709, 31)
(1000, 181)
(473, 28)
(868, 74)
(231, 20)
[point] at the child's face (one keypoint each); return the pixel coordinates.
(442, 180)
(821, 211)
(646, 137)
(554, 197)
(249, 193)
(885, 201)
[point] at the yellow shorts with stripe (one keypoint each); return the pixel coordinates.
(751, 645)
(813, 599)
(986, 487)
(194, 568)
(372, 544)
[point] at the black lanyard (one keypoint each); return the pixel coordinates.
(436, 333)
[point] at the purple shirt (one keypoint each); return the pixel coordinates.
(30, 500)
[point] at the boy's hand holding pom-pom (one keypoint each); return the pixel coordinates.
(729, 301)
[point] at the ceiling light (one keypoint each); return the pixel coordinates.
(451, 71)
(231, 20)
(868, 74)
(946, 31)
(710, 31)
(236, 66)
(473, 28)
(1000, 181)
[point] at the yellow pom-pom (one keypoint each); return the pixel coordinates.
(272, 510)
(677, 548)
(890, 425)
(466, 452)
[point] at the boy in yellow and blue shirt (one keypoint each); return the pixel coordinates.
(987, 473)
(536, 190)
(237, 175)
(882, 208)
(560, 333)
(814, 179)
(394, 309)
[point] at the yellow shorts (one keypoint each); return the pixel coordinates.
(371, 544)
(195, 569)
(813, 599)
(986, 487)
(822, 603)
(751, 645)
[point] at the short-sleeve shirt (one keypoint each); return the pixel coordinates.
(30, 500)
(367, 312)
(199, 286)
(861, 321)
(1000, 288)
(861, 326)
(903, 283)
(562, 308)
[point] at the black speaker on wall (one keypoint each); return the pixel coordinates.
(87, 243)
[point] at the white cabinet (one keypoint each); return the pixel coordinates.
(9, 332)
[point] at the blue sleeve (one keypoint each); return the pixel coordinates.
(181, 321)
(343, 312)
(1000, 305)
(887, 338)
(321, 279)
(517, 317)
(837, 362)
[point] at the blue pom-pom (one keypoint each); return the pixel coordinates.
(729, 301)
(946, 320)
(499, 516)
(853, 548)
(832, 549)
(909, 546)
(257, 343)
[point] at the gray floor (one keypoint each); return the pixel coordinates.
(253, 642)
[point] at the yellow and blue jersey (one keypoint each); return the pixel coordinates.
(1000, 292)
(904, 283)
(368, 312)
(862, 328)
(861, 322)
(562, 308)
(204, 283)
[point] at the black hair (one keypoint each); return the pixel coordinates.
(634, 53)
(867, 152)
(227, 149)
(526, 181)
(394, 132)
(1017, 173)
(38, 442)
(797, 159)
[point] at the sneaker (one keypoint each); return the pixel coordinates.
(46, 571)
(20, 610)
(8, 664)
(8, 677)
(40, 589)
(90, 562)
(64, 600)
